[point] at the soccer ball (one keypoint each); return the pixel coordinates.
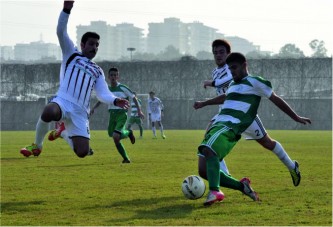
(193, 187)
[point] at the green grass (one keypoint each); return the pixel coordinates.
(58, 188)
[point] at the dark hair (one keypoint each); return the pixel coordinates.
(113, 69)
(152, 93)
(236, 57)
(88, 35)
(221, 42)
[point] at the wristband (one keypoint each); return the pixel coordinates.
(68, 11)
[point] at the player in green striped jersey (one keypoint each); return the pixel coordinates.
(135, 118)
(239, 109)
(118, 116)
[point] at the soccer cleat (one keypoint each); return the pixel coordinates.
(296, 174)
(90, 152)
(154, 137)
(131, 136)
(126, 161)
(163, 136)
(213, 197)
(56, 133)
(248, 190)
(31, 150)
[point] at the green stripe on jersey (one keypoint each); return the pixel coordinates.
(242, 102)
(121, 91)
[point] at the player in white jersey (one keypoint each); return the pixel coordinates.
(80, 76)
(221, 78)
(155, 110)
(239, 109)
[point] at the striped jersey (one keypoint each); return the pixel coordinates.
(79, 76)
(134, 110)
(242, 101)
(121, 91)
(222, 78)
(155, 106)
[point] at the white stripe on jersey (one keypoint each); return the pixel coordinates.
(236, 105)
(80, 75)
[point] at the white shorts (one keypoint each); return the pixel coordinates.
(254, 132)
(155, 117)
(75, 118)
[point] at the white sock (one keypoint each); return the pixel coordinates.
(223, 167)
(64, 135)
(161, 129)
(283, 156)
(154, 130)
(42, 128)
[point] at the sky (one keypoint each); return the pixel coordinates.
(268, 23)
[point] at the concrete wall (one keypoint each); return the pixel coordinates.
(306, 84)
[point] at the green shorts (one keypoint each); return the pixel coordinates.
(117, 121)
(220, 139)
(134, 120)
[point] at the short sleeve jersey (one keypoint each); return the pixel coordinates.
(121, 91)
(242, 102)
(155, 106)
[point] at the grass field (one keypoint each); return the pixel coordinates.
(57, 188)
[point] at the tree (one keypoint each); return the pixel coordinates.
(204, 55)
(170, 53)
(257, 55)
(318, 48)
(290, 51)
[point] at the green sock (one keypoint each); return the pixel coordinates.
(213, 172)
(230, 182)
(124, 133)
(122, 150)
(141, 130)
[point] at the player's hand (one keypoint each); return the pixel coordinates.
(122, 103)
(92, 111)
(68, 5)
(208, 83)
(141, 115)
(303, 120)
(198, 105)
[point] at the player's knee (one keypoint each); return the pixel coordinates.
(81, 153)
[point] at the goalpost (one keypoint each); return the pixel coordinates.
(144, 106)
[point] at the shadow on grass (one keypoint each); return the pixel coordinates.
(144, 208)
(19, 206)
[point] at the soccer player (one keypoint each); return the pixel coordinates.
(155, 110)
(221, 78)
(135, 118)
(238, 112)
(72, 103)
(118, 116)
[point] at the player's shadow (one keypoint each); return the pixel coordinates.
(143, 211)
(19, 206)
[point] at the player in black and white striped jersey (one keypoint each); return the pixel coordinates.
(79, 77)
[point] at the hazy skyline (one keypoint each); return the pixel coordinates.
(269, 24)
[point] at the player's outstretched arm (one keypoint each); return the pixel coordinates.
(213, 101)
(283, 105)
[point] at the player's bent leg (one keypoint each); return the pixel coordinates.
(81, 146)
(51, 112)
(202, 167)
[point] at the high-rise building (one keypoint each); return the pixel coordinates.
(36, 51)
(6, 53)
(114, 40)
